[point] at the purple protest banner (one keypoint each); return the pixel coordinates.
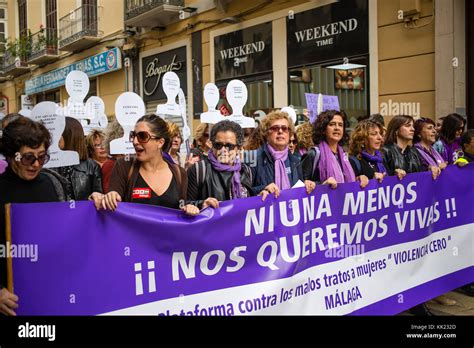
(312, 105)
(380, 250)
(330, 102)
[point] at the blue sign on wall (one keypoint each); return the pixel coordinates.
(99, 64)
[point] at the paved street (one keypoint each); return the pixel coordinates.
(464, 305)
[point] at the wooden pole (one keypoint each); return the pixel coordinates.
(8, 230)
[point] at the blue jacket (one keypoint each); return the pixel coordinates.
(264, 171)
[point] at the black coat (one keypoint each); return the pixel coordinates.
(86, 177)
(204, 182)
(409, 160)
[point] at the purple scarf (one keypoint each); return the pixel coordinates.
(377, 158)
(3, 166)
(329, 165)
(220, 167)
(449, 150)
(430, 158)
(279, 157)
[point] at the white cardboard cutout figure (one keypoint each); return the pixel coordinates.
(291, 113)
(236, 93)
(171, 88)
(95, 111)
(47, 113)
(211, 96)
(129, 107)
(77, 86)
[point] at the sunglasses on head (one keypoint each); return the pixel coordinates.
(142, 137)
(219, 146)
(28, 159)
(277, 128)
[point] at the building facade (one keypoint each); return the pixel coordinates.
(390, 57)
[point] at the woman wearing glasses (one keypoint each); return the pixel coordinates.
(277, 169)
(84, 179)
(149, 178)
(221, 176)
(25, 145)
(327, 162)
(96, 146)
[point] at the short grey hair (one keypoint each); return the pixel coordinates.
(224, 126)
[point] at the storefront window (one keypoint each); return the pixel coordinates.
(92, 89)
(350, 86)
(317, 41)
(52, 95)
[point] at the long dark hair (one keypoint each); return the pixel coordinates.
(159, 128)
(394, 125)
(451, 124)
(321, 123)
(74, 139)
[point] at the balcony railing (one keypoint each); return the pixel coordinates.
(43, 44)
(14, 65)
(137, 10)
(83, 22)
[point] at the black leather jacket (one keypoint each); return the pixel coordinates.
(84, 178)
(208, 182)
(409, 160)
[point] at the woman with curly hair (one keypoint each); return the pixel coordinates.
(304, 134)
(327, 162)
(255, 139)
(364, 148)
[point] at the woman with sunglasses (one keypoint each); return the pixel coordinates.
(450, 137)
(221, 176)
(327, 162)
(424, 138)
(277, 169)
(25, 145)
(84, 179)
(151, 177)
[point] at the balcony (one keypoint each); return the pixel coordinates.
(13, 65)
(44, 47)
(152, 13)
(80, 29)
